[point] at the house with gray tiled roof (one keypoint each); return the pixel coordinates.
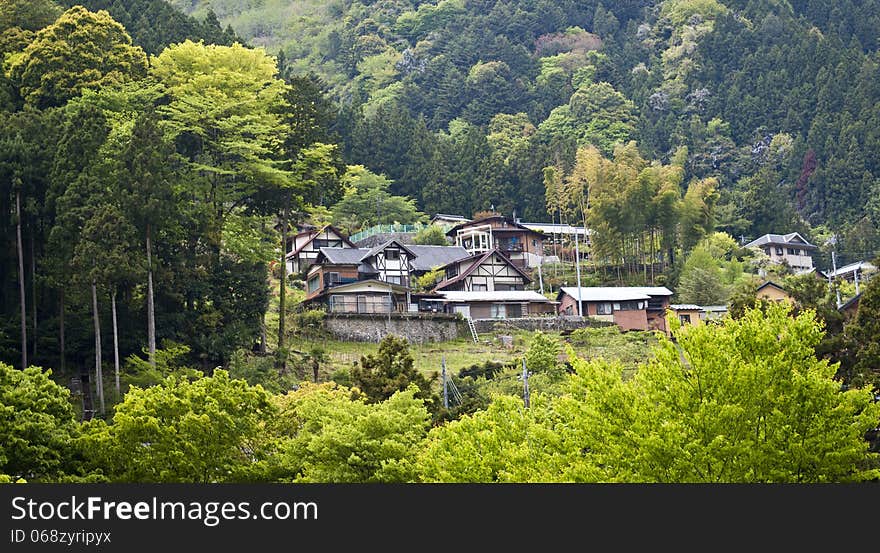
(791, 248)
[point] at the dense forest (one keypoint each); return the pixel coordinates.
(463, 103)
(155, 155)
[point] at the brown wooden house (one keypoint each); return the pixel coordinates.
(522, 245)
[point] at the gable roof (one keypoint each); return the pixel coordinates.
(429, 257)
(369, 283)
(603, 293)
(792, 238)
(315, 234)
(509, 222)
(770, 283)
(498, 295)
(852, 302)
(864, 266)
(477, 261)
(379, 248)
(342, 256)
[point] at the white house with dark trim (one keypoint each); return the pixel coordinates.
(790, 248)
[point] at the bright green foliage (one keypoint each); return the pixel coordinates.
(36, 424)
(596, 114)
(330, 434)
(368, 201)
(207, 430)
(390, 370)
(742, 401)
(504, 443)
(710, 271)
(745, 401)
(432, 235)
(543, 354)
(427, 281)
(223, 109)
(81, 50)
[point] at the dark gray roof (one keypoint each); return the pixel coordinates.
(344, 256)
(380, 247)
(783, 239)
(429, 257)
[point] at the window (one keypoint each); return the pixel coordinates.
(393, 279)
(392, 255)
(684, 319)
(314, 283)
(603, 308)
(499, 311)
(508, 287)
(332, 278)
(794, 251)
(480, 287)
(337, 303)
(778, 251)
(452, 271)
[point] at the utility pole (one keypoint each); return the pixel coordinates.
(540, 278)
(445, 387)
(525, 377)
(834, 267)
(856, 277)
(577, 266)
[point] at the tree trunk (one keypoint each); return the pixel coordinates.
(61, 331)
(99, 382)
(151, 316)
(24, 358)
(34, 288)
(282, 294)
(88, 403)
(115, 342)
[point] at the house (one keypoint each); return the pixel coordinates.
(369, 297)
(522, 245)
(489, 286)
(771, 291)
(630, 307)
(499, 304)
(713, 312)
(445, 220)
(856, 273)
(687, 313)
(303, 247)
(791, 248)
(491, 271)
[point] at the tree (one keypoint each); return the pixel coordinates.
(504, 443)
(368, 200)
(543, 354)
(744, 401)
(105, 253)
(432, 235)
(36, 422)
(148, 197)
(332, 434)
(861, 340)
(202, 431)
(30, 15)
(391, 370)
(81, 50)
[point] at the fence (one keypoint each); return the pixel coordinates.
(380, 229)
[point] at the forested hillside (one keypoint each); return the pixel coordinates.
(463, 103)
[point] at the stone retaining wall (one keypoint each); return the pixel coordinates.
(557, 324)
(416, 328)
